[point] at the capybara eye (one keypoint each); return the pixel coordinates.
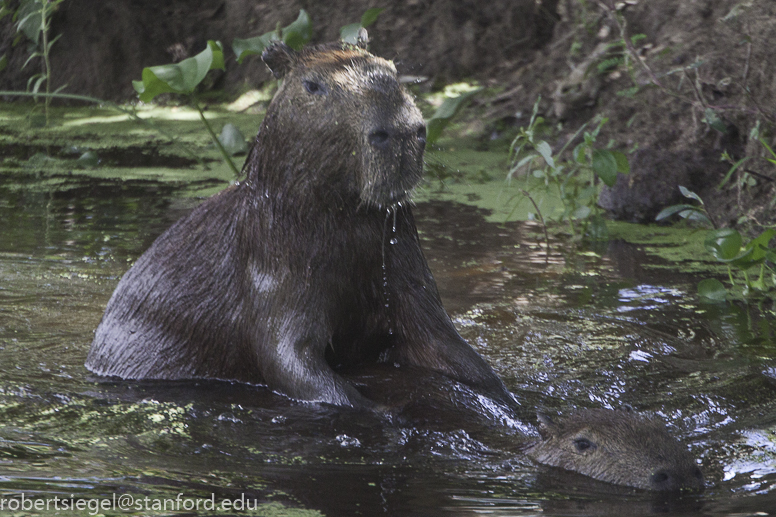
(583, 444)
(314, 88)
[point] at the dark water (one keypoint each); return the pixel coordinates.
(564, 331)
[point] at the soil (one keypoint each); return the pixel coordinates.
(711, 58)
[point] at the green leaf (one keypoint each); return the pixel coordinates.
(579, 154)
(623, 167)
(3, 62)
(181, 77)
(445, 112)
(370, 16)
(349, 33)
(755, 250)
(724, 244)
(298, 33)
(731, 171)
(544, 149)
(605, 166)
(295, 35)
(768, 147)
(233, 140)
(243, 48)
(713, 120)
(30, 18)
(711, 290)
(689, 194)
(671, 210)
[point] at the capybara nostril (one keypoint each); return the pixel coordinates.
(661, 479)
(379, 138)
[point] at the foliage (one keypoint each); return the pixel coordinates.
(33, 20)
(446, 111)
(183, 78)
(575, 177)
(296, 35)
(349, 33)
(729, 247)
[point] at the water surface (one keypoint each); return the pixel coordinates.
(564, 330)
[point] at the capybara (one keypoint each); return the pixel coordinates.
(311, 264)
(621, 447)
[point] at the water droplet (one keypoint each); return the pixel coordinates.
(394, 240)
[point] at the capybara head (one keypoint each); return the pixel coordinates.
(621, 447)
(341, 127)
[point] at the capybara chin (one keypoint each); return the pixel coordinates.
(310, 264)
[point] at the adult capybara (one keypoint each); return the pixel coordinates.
(310, 264)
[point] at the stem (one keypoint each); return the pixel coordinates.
(44, 23)
(130, 113)
(216, 141)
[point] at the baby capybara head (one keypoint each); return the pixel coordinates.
(620, 447)
(341, 127)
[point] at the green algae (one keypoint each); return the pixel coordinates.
(461, 170)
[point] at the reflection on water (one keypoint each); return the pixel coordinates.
(563, 331)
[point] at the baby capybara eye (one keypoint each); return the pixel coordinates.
(314, 88)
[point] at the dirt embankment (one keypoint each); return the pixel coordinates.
(711, 58)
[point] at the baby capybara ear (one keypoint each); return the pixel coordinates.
(278, 57)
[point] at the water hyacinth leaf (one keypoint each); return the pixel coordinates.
(445, 112)
(180, 77)
(298, 33)
(370, 16)
(605, 166)
(295, 35)
(233, 140)
(724, 244)
(711, 290)
(243, 48)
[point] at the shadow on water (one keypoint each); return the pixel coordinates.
(563, 331)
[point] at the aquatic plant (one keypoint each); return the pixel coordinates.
(574, 176)
(33, 20)
(753, 259)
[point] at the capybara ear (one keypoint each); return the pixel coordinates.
(278, 57)
(547, 427)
